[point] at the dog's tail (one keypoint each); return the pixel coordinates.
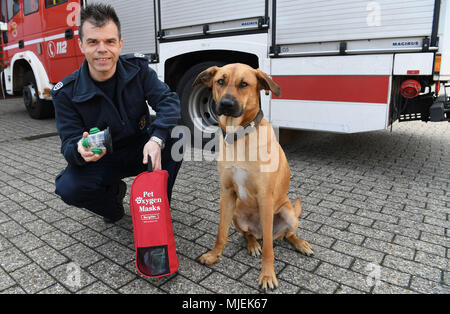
(298, 207)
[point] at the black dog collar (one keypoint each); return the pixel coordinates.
(243, 130)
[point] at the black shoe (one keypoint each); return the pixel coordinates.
(120, 194)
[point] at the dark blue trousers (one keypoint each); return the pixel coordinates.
(94, 185)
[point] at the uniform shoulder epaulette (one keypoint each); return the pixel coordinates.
(136, 56)
(64, 82)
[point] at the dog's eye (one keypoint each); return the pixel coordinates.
(220, 82)
(243, 84)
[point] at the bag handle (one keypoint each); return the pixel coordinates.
(149, 163)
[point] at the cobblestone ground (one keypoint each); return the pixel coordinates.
(375, 209)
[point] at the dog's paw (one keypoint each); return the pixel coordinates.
(304, 247)
(209, 258)
(254, 248)
(268, 279)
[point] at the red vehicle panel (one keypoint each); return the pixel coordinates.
(40, 47)
(48, 29)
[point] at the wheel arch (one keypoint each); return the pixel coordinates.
(175, 67)
(27, 61)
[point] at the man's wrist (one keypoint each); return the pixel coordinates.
(158, 141)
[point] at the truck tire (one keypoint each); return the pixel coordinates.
(37, 108)
(198, 111)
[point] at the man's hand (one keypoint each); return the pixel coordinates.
(154, 150)
(86, 153)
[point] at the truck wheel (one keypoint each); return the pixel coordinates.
(37, 108)
(198, 111)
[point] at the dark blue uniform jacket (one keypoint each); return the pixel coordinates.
(80, 105)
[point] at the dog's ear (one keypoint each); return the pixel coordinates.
(265, 82)
(206, 76)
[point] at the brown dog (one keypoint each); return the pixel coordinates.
(254, 172)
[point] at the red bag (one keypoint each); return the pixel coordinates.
(153, 232)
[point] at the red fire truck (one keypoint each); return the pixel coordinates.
(39, 41)
(343, 65)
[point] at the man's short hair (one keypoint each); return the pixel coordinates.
(99, 14)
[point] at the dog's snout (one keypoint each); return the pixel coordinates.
(227, 102)
(229, 106)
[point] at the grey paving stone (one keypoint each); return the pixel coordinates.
(189, 249)
(39, 227)
(97, 288)
(358, 251)
(332, 222)
(5, 281)
(230, 267)
(332, 256)
(412, 268)
(68, 225)
(193, 270)
(11, 229)
(235, 243)
(308, 280)
(181, 285)
(342, 235)
(111, 274)
(120, 235)
(27, 242)
(295, 258)
(58, 240)
(50, 215)
(422, 285)
(55, 289)
(32, 278)
(46, 257)
(116, 252)
(22, 216)
(81, 255)
(251, 279)
(4, 243)
(420, 245)
(140, 286)
(390, 248)
(343, 276)
(186, 231)
(13, 290)
(432, 260)
(219, 283)
(343, 289)
(90, 237)
(12, 259)
(186, 219)
(34, 205)
(371, 232)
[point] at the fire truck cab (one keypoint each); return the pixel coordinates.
(39, 41)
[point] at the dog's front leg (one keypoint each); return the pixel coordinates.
(227, 208)
(267, 278)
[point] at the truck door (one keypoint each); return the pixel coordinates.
(32, 20)
(60, 42)
(14, 36)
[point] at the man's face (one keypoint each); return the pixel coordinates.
(101, 47)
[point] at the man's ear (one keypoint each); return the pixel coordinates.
(206, 76)
(265, 82)
(80, 44)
